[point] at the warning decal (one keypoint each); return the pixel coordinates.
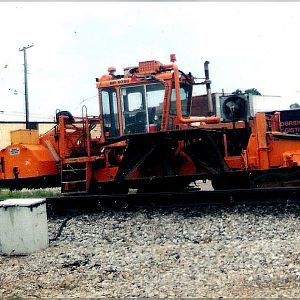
(14, 151)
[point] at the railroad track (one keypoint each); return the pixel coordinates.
(258, 196)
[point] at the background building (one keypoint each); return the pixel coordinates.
(7, 126)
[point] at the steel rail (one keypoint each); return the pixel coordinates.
(257, 196)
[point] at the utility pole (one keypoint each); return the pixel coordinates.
(26, 85)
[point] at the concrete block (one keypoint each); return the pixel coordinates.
(23, 226)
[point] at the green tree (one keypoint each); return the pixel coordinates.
(237, 92)
(252, 91)
(294, 106)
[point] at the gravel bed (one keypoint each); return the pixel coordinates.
(205, 252)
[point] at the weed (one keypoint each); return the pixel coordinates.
(25, 193)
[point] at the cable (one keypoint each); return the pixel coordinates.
(62, 226)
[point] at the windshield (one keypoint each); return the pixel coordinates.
(142, 107)
(185, 98)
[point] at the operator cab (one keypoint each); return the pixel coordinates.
(141, 109)
(149, 98)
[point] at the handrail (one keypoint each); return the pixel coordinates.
(178, 103)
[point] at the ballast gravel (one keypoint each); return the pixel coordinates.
(214, 252)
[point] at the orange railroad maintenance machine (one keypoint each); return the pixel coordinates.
(145, 138)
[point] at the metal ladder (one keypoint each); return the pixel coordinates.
(76, 172)
(75, 177)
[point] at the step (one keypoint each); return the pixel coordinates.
(72, 170)
(75, 181)
(75, 193)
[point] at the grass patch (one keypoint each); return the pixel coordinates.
(25, 193)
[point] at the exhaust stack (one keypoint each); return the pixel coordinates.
(208, 90)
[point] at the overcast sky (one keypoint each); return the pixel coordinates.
(248, 44)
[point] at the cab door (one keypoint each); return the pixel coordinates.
(142, 107)
(134, 108)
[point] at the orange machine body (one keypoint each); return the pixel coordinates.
(30, 162)
(271, 149)
(24, 160)
(267, 149)
(145, 138)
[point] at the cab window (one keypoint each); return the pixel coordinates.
(110, 113)
(185, 98)
(155, 99)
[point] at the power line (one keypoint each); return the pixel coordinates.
(19, 113)
(86, 99)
